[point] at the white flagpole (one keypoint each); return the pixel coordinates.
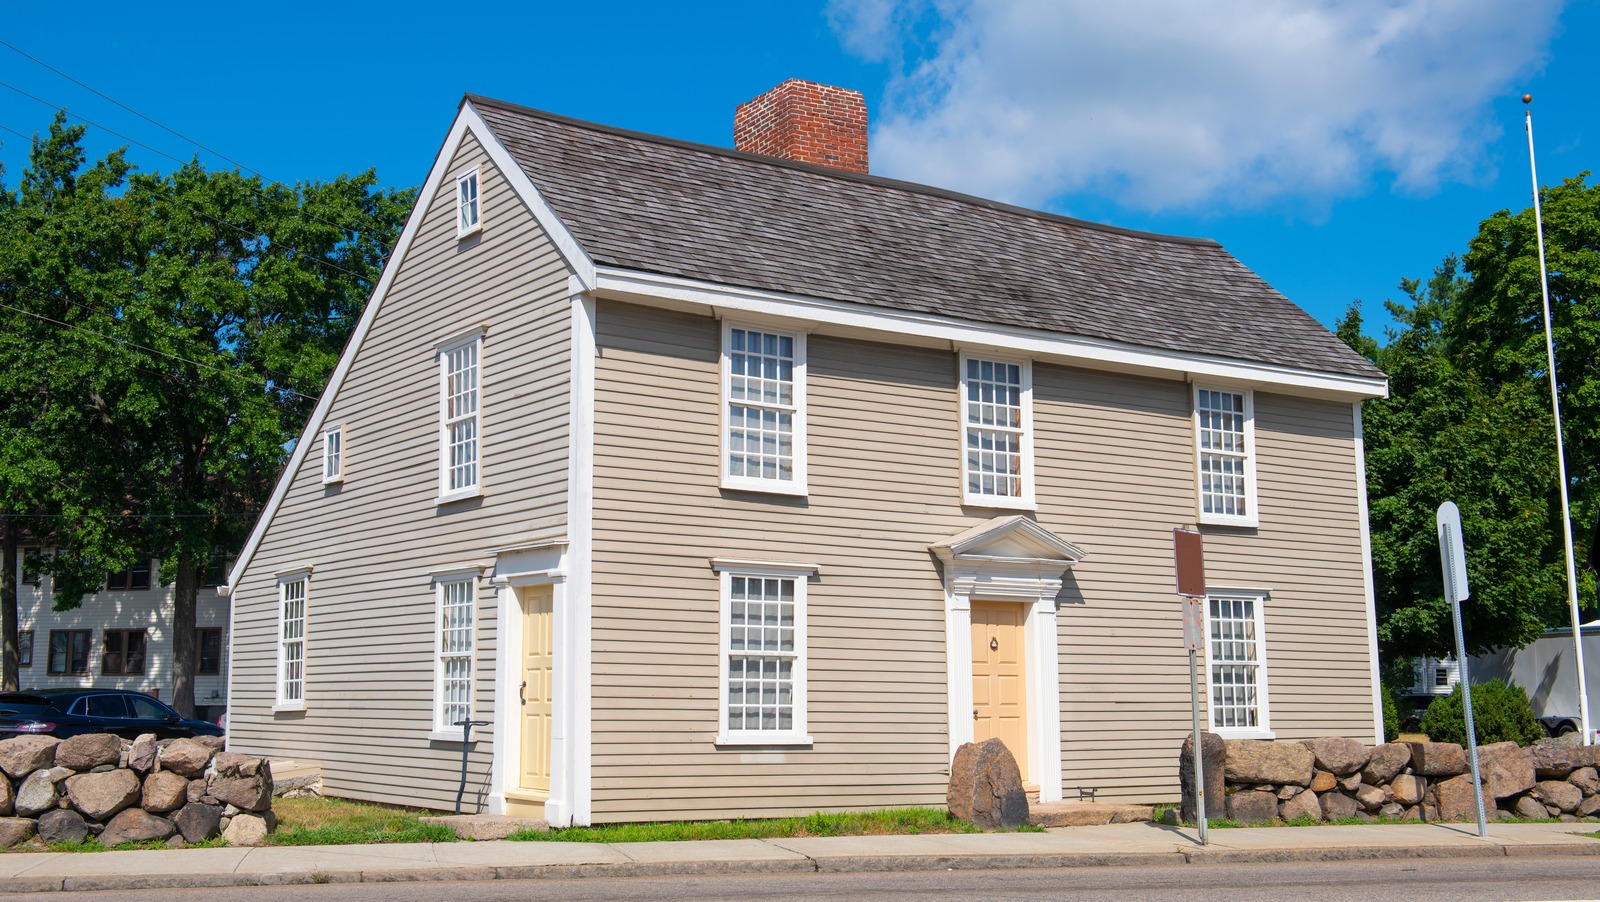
(1561, 457)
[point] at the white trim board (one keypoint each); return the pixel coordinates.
(467, 121)
(896, 327)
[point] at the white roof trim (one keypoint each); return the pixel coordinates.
(1035, 343)
(467, 121)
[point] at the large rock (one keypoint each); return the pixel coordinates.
(1338, 755)
(1589, 806)
(1586, 779)
(164, 791)
(1253, 806)
(1257, 761)
(7, 796)
(22, 755)
(99, 796)
(62, 825)
(255, 793)
(1455, 798)
(198, 821)
(36, 795)
(1214, 762)
(1530, 808)
(250, 830)
(214, 743)
(1438, 759)
(142, 754)
(136, 825)
(233, 764)
(89, 751)
(1371, 797)
(1323, 781)
(985, 789)
(1385, 762)
(1304, 804)
(15, 831)
(1506, 771)
(1407, 789)
(1336, 806)
(1560, 794)
(185, 756)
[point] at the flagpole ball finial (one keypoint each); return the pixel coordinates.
(1527, 98)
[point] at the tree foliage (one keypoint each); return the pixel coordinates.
(1469, 420)
(166, 337)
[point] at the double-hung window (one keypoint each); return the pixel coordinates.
(135, 577)
(763, 661)
(122, 652)
(24, 648)
(208, 650)
(455, 644)
(996, 432)
(468, 217)
(292, 598)
(460, 435)
(1236, 665)
(1224, 431)
(333, 454)
(763, 401)
(69, 651)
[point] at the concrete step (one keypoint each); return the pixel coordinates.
(486, 826)
(1087, 814)
(292, 779)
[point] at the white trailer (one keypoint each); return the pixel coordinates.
(1544, 668)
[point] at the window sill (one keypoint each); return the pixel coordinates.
(334, 481)
(1000, 502)
(464, 234)
(763, 739)
(288, 707)
(765, 486)
(1235, 733)
(459, 495)
(1219, 520)
(453, 736)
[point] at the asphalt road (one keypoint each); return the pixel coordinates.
(1392, 881)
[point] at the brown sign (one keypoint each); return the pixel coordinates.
(1190, 563)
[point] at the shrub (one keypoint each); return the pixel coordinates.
(1500, 713)
(1391, 715)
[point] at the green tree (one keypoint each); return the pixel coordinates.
(1469, 420)
(179, 328)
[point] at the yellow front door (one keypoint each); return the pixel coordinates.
(999, 687)
(538, 669)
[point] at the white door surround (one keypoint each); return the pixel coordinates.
(1009, 559)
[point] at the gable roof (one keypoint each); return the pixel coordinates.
(659, 205)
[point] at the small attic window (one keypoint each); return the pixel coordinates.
(468, 221)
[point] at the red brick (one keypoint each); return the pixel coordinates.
(806, 122)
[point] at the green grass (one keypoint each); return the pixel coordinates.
(93, 845)
(898, 821)
(338, 822)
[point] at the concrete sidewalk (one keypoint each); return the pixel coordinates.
(1115, 844)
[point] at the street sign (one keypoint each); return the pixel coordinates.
(1452, 552)
(1194, 630)
(1189, 563)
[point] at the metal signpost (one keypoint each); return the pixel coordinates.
(1453, 555)
(1189, 564)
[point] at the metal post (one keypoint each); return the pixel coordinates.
(1199, 749)
(1466, 684)
(466, 746)
(1561, 457)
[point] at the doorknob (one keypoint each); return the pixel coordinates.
(521, 692)
(974, 713)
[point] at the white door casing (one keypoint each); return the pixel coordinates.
(1009, 559)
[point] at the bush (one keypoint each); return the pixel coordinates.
(1500, 713)
(1391, 715)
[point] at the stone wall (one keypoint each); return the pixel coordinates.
(115, 790)
(1338, 779)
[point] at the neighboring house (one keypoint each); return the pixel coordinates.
(1435, 676)
(723, 485)
(119, 637)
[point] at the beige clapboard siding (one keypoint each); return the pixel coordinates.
(1115, 475)
(373, 540)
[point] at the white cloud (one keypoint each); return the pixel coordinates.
(1190, 105)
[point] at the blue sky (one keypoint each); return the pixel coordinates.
(1333, 147)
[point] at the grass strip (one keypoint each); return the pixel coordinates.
(897, 821)
(337, 822)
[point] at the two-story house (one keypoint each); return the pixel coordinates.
(745, 483)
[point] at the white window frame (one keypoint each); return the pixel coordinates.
(443, 351)
(799, 574)
(443, 730)
(469, 211)
(1251, 516)
(796, 484)
(1263, 726)
(283, 701)
(333, 454)
(1025, 500)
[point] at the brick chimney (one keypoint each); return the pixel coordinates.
(806, 122)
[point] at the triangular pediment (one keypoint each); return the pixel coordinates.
(1014, 538)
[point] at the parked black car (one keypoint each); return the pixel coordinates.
(70, 712)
